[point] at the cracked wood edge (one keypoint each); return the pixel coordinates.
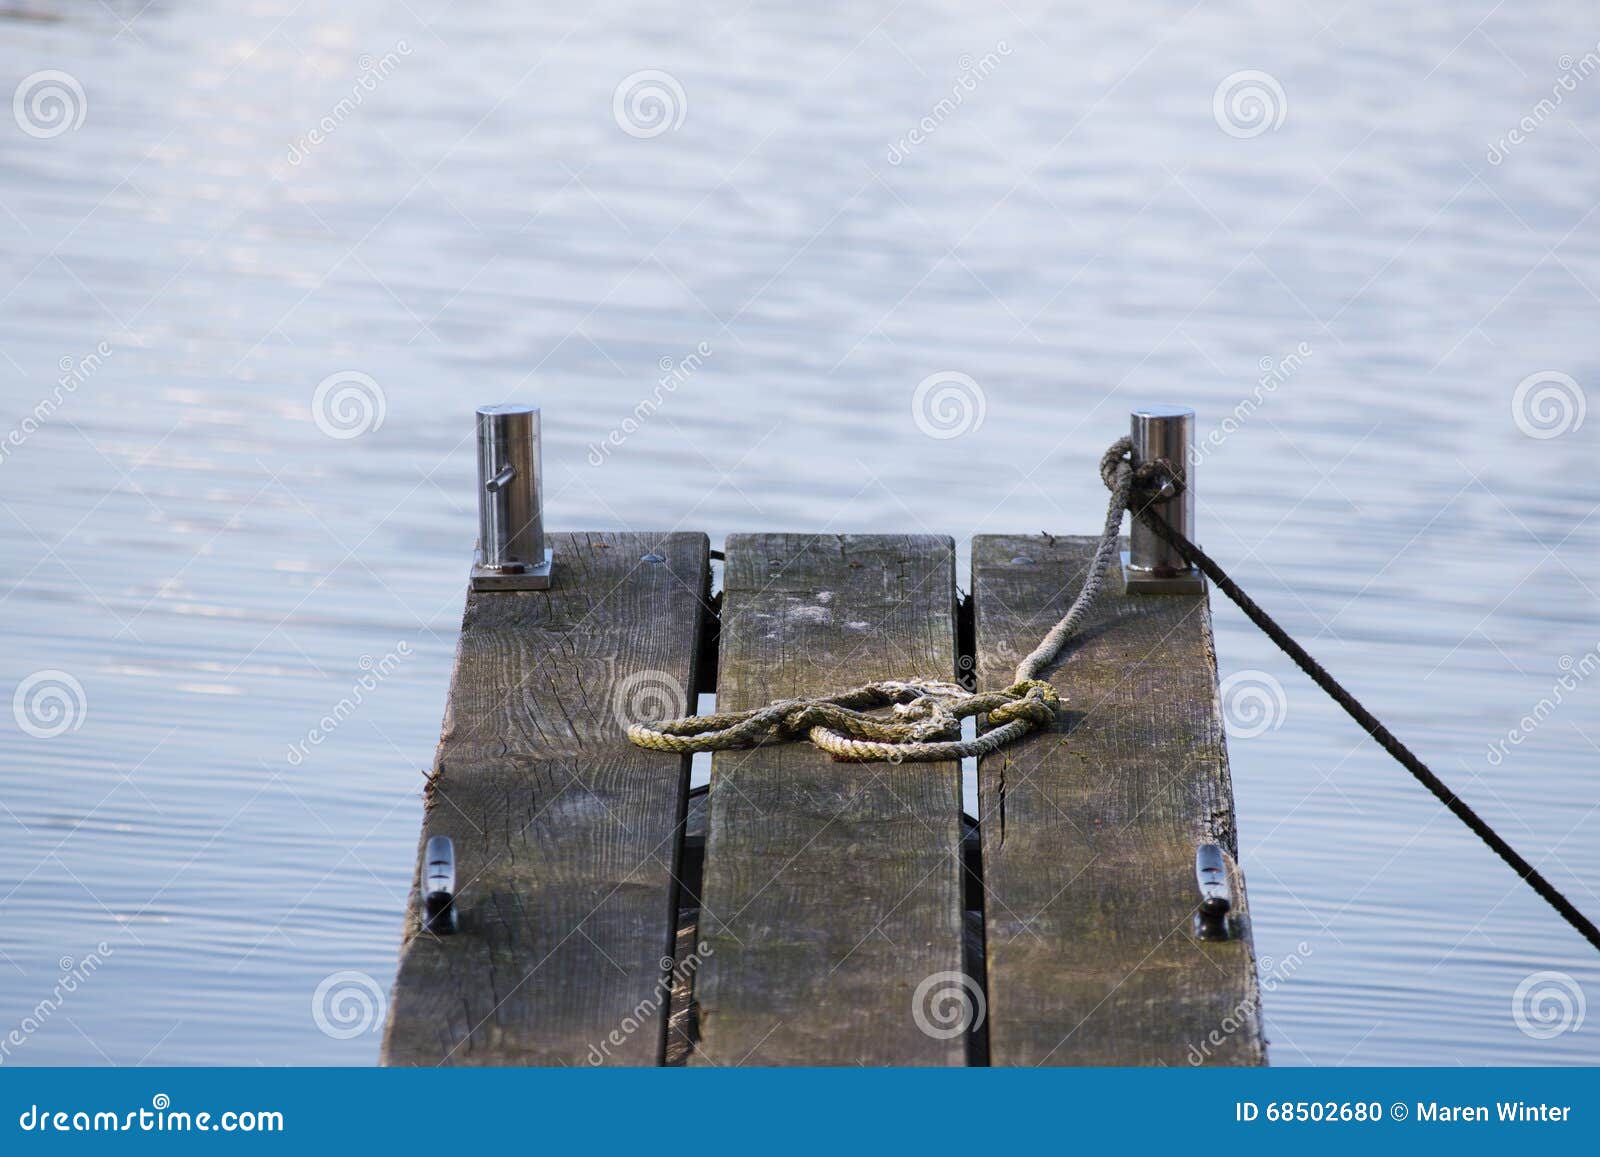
(1089, 831)
(566, 835)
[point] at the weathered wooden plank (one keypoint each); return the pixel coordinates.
(565, 833)
(1089, 833)
(830, 889)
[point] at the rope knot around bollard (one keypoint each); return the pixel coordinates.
(1157, 480)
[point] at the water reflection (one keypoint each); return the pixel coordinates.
(1080, 234)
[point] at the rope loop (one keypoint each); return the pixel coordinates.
(1154, 481)
(924, 723)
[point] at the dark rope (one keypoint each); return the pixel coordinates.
(1369, 722)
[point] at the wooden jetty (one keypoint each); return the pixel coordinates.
(807, 912)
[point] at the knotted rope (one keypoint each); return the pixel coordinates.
(924, 724)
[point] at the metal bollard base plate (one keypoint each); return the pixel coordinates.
(1143, 582)
(528, 578)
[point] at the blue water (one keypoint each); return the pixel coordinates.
(202, 571)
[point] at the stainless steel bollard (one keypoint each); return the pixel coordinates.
(511, 554)
(439, 887)
(1216, 892)
(1150, 566)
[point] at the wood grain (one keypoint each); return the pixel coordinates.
(830, 889)
(566, 835)
(1089, 832)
